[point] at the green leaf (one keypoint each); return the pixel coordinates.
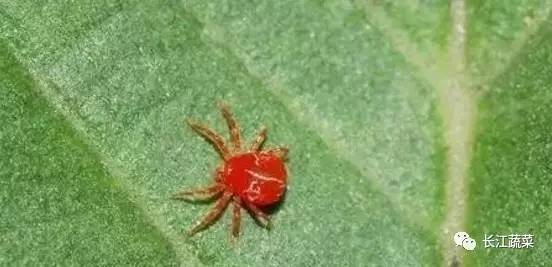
(406, 123)
(512, 166)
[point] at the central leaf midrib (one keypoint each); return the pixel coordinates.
(459, 111)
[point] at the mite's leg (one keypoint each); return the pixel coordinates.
(212, 137)
(280, 152)
(261, 137)
(232, 126)
(236, 218)
(259, 215)
(212, 215)
(200, 194)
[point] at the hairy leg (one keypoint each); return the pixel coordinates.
(259, 215)
(232, 126)
(281, 152)
(236, 218)
(213, 214)
(212, 137)
(261, 137)
(200, 194)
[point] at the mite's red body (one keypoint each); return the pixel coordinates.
(248, 178)
(256, 177)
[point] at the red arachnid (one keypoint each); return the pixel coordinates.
(250, 178)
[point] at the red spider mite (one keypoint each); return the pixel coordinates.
(249, 178)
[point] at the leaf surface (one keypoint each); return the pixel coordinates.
(95, 94)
